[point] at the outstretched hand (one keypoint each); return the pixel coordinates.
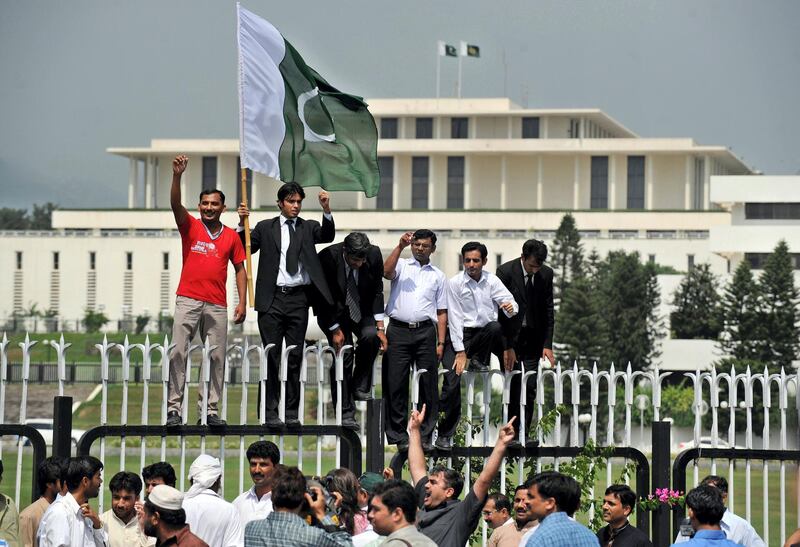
(506, 433)
(179, 164)
(416, 419)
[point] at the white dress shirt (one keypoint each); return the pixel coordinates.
(124, 534)
(473, 303)
(417, 292)
(213, 519)
(63, 525)
(251, 508)
(527, 535)
(736, 529)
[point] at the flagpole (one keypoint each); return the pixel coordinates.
(438, 68)
(461, 54)
(249, 259)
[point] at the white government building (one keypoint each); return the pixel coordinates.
(470, 169)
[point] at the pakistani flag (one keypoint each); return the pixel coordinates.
(470, 50)
(293, 125)
(446, 50)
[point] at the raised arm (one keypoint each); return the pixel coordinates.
(390, 265)
(416, 457)
(178, 210)
(492, 466)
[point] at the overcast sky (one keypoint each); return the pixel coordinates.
(80, 76)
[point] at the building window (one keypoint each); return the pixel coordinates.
(19, 260)
(574, 128)
(530, 127)
(128, 261)
(248, 183)
(651, 259)
(635, 182)
(772, 211)
(386, 189)
(699, 180)
(460, 263)
(388, 128)
(599, 198)
(210, 172)
(455, 182)
(165, 261)
(424, 128)
(459, 128)
(498, 259)
(419, 182)
(690, 262)
(55, 260)
(92, 260)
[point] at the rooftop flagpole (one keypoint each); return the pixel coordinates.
(248, 253)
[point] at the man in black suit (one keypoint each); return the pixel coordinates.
(290, 277)
(529, 334)
(354, 271)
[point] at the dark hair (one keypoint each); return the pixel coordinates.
(288, 488)
(706, 503)
(290, 188)
(627, 497)
(356, 244)
(264, 449)
(209, 191)
(173, 518)
(345, 483)
(475, 246)
(48, 472)
(535, 248)
(80, 468)
(500, 501)
(523, 486)
(396, 493)
(424, 233)
(125, 480)
(161, 470)
(562, 488)
(716, 480)
(452, 479)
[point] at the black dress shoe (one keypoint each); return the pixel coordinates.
(445, 444)
(173, 419)
(532, 443)
(362, 395)
(476, 366)
(292, 422)
(427, 447)
(514, 444)
(212, 420)
(273, 422)
(350, 423)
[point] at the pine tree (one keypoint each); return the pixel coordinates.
(779, 306)
(567, 256)
(742, 331)
(580, 328)
(697, 306)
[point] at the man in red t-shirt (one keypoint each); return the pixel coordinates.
(201, 304)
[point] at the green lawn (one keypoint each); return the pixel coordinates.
(82, 349)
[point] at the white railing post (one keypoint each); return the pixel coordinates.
(61, 361)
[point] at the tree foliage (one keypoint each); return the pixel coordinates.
(779, 309)
(39, 218)
(742, 331)
(697, 311)
(567, 256)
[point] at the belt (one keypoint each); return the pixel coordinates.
(472, 329)
(415, 325)
(289, 290)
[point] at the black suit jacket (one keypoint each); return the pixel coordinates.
(512, 276)
(266, 236)
(370, 285)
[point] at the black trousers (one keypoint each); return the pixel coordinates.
(358, 377)
(478, 343)
(408, 347)
(286, 319)
(529, 351)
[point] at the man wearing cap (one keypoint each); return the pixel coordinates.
(210, 517)
(165, 519)
(354, 271)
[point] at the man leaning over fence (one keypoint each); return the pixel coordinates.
(201, 303)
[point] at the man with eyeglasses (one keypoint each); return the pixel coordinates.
(497, 515)
(417, 310)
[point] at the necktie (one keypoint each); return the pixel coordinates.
(529, 299)
(292, 253)
(353, 300)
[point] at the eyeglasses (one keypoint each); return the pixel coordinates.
(489, 513)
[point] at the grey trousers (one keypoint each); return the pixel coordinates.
(211, 321)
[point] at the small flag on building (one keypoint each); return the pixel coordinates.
(293, 125)
(446, 50)
(470, 50)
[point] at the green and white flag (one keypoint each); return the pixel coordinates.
(293, 125)
(446, 50)
(470, 50)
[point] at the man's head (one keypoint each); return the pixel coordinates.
(522, 514)
(618, 504)
(263, 456)
(356, 245)
(423, 245)
(497, 510)
(125, 489)
(288, 489)
(444, 484)
(367, 483)
(163, 510)
(473, 255)
(705, 506)
(158, 473)
(393, 506)
(48, 475)
(721, 483)
(551, 492)
(290, 199)
(534, 253)
(84, 476)
(211, 205)
(206, 472)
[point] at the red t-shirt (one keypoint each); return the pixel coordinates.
(205, 261)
